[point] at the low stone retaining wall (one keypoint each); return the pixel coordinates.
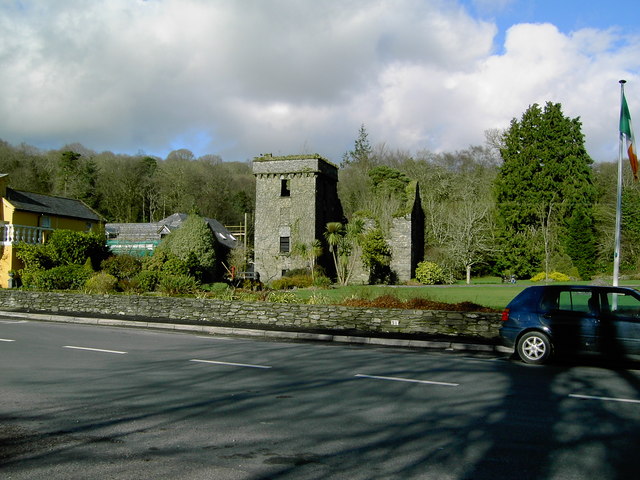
(293, 317)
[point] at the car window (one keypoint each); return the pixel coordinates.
(549, 300)
(526, 298)
(576, 301)
(623, 304)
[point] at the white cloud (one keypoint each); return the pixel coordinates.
(289, 75)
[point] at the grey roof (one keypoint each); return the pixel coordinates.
(151, 231)
(221, 233)
(50, 205)
(174, 221)
(137, 231)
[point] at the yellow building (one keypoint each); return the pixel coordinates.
(29, 217)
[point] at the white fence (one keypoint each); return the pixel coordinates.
(12, 234)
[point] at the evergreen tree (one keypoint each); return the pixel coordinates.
(353, 186)
(581, 242)
(194, 244)
(376, 256)
(76, 177)
(546, 169)
(361, 153)
(630, 241)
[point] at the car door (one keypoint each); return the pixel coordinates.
(574, 322)
(620, 325)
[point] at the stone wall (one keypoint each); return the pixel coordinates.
(293, 317)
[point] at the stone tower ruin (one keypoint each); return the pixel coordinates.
(406, 238)
(296, 196)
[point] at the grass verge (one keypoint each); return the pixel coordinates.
(493, 296)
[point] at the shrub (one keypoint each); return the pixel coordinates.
(194, 243)
(63, 247)
(302, 281)
(122, 266)
(28, 277)
(219, 290)
(283, 283)
(555, 276)
(164, 261)
(145, 281)
(65, 277)
(429, 273)
(70, 247)
(559, 277)
(177, 285)
(127, 285)
(156, 261)
(322, 281)
(34, 256)
(175, 266)
(317, 299)
(295, 272)
(283, 297)
(101, 283)
(376, 256)
(574, 274)
(298, 281)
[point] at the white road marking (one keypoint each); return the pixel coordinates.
(410, 380)
(212, 337)
(607, 399)
(6, 340)
(94, 349)
(13, 321)
(229, 363)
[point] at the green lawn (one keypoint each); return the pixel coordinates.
(495, 295)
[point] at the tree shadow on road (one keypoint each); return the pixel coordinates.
(311, 417)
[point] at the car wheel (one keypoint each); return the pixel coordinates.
(534, 348)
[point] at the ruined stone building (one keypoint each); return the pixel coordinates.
(296, 196)
(405, 238)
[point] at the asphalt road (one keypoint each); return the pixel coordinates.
(80, 402)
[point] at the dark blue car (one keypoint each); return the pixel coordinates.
(570, 319)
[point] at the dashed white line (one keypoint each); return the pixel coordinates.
(410, 380)
(229, 363)
(211, 337)
(6, 340)
(94, 349)
(606, 399)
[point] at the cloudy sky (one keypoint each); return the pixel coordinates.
(238, 78)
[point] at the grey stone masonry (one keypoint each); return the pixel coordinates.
(400, 244)
(296, 196)
(258, 314)
(406, 240)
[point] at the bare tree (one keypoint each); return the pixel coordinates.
(469, 236)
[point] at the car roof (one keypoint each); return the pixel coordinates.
(535, 293)
(582, 287)
(593, 288)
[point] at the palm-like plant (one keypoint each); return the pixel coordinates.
(309, 251)
(334, 235)
(344, 242)
(315, 251)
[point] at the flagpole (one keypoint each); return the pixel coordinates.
(616, 252)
